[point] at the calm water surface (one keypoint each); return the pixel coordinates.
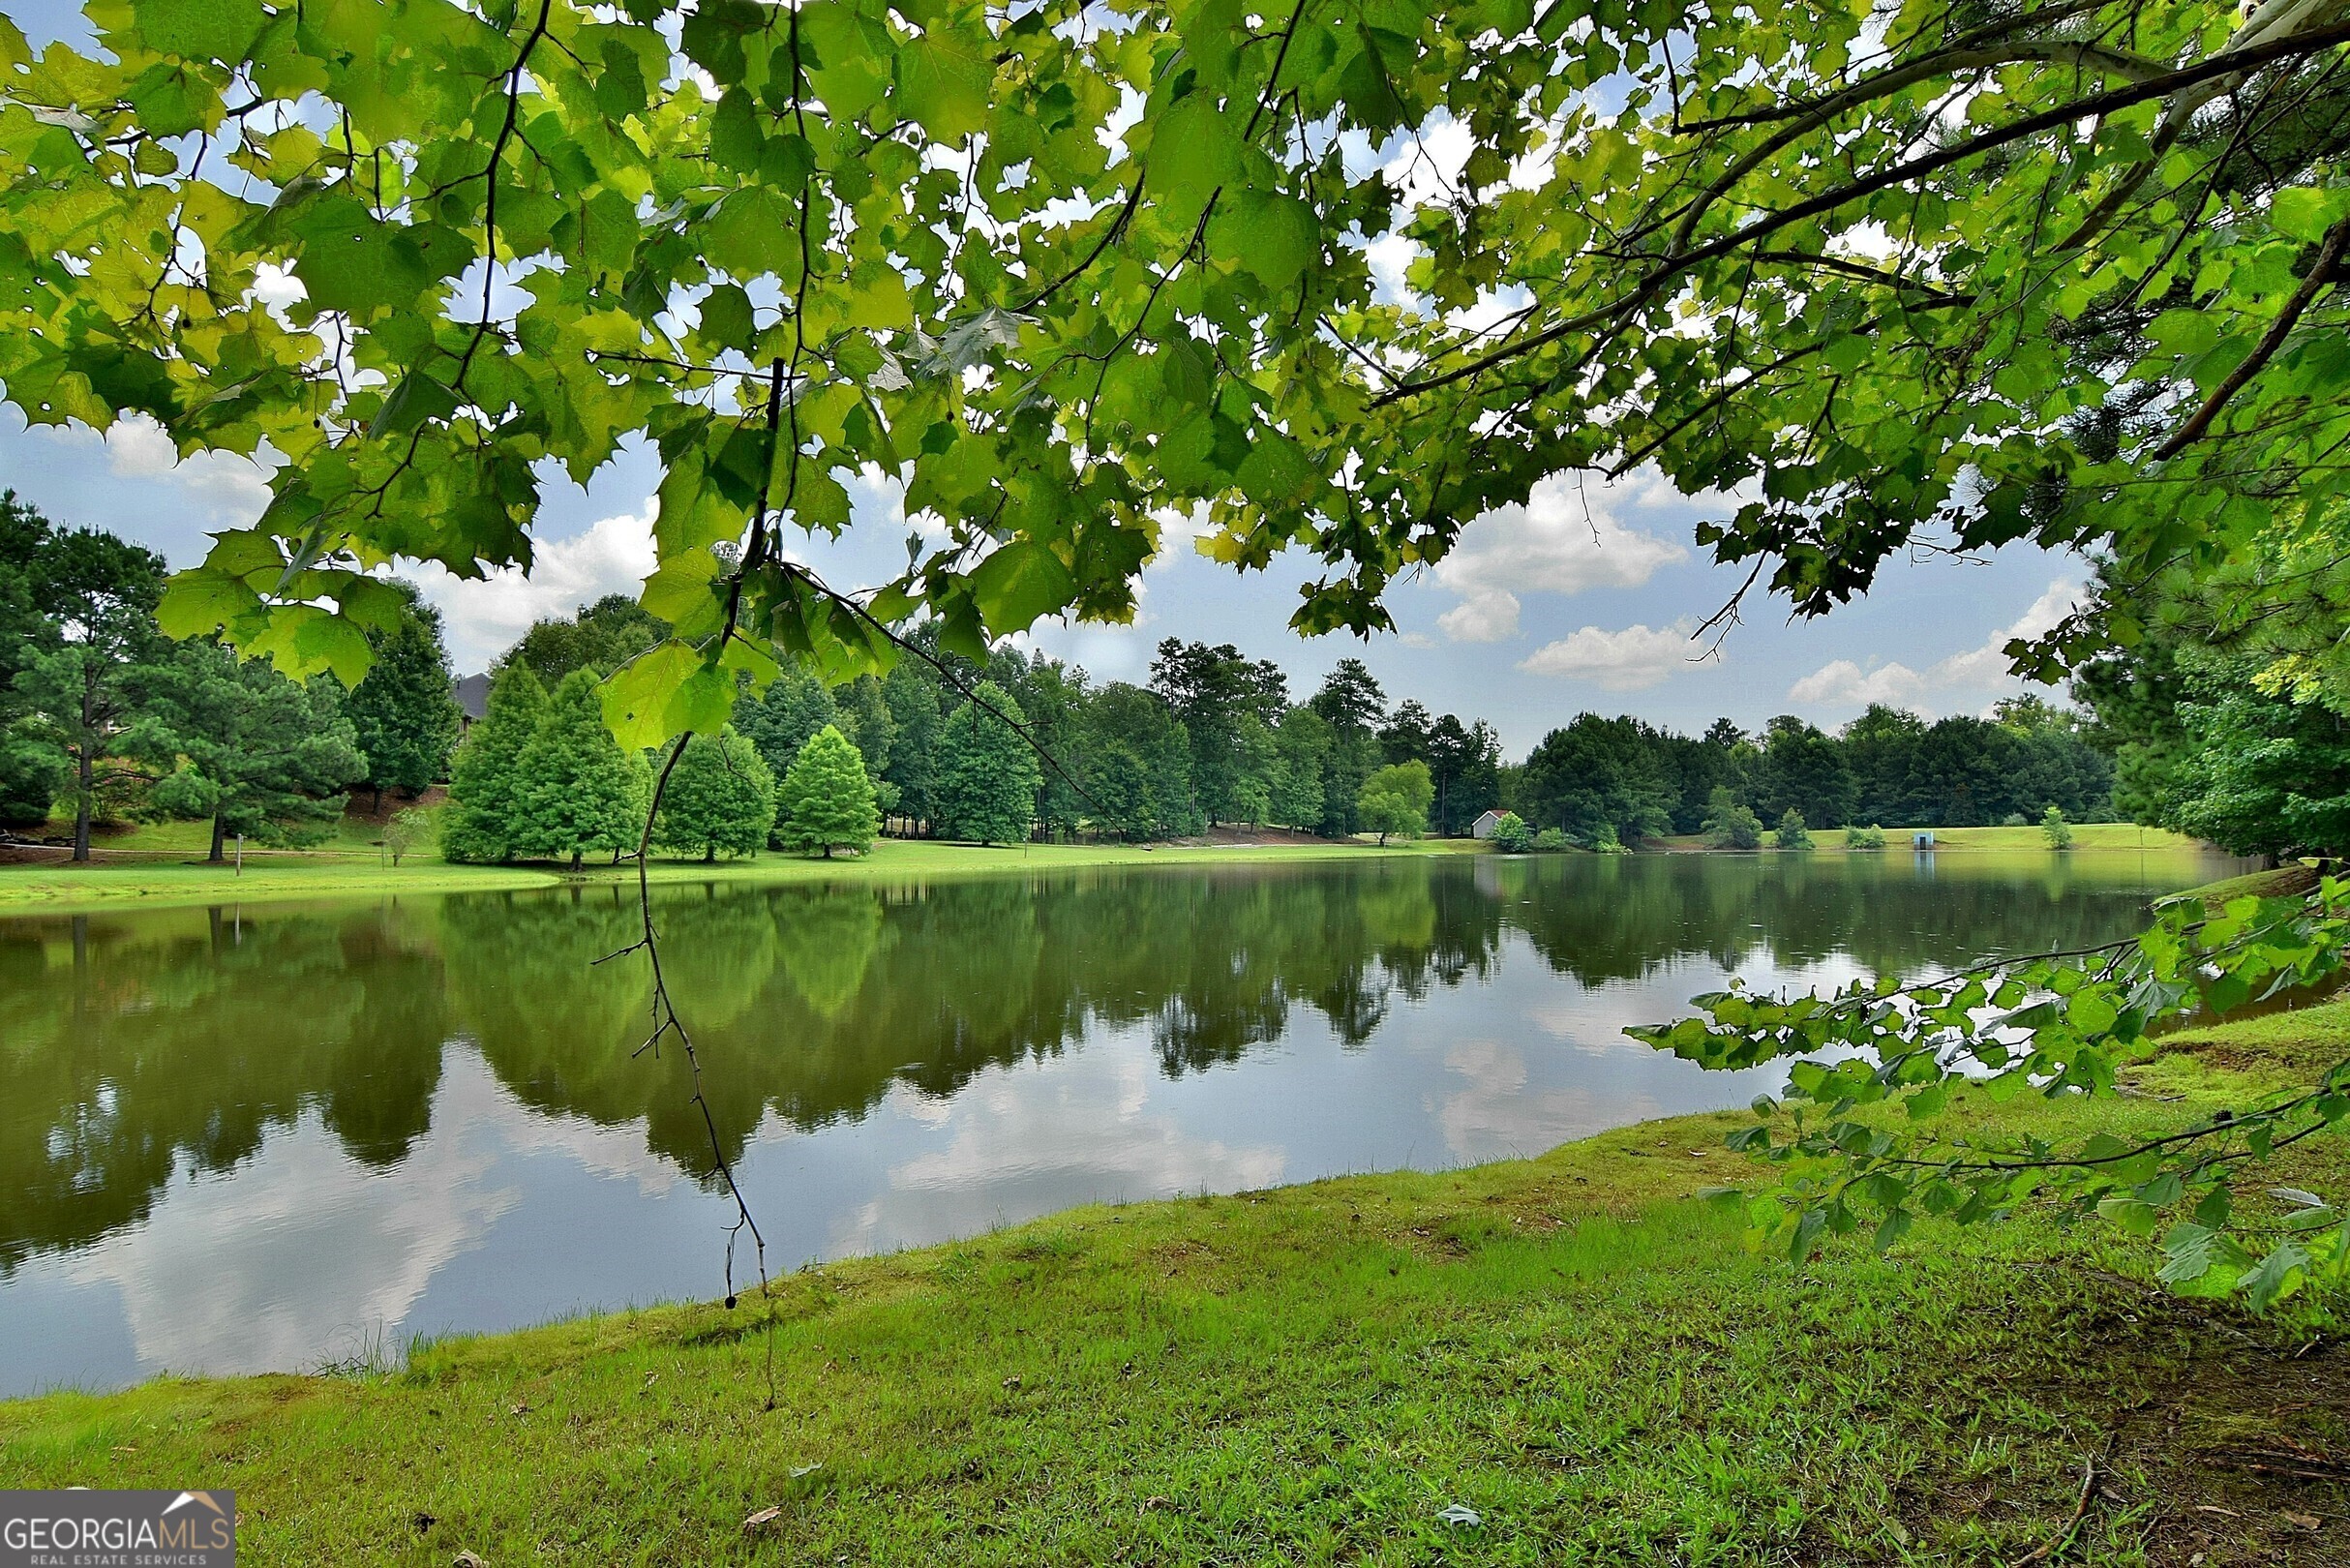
(263, 1138)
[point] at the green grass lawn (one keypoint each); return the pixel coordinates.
(1568, 1345)
(157, 879)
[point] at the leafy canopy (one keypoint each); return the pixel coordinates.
(1887, 271)
(827, 801)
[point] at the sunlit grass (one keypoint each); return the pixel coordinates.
(161, 883)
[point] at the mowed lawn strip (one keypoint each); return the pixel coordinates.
(60, 888)
(1574, 1347)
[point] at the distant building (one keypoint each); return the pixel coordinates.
(1485, 823)
(472, 693)
(1923, 840)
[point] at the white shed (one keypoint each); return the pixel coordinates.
(1484, 826)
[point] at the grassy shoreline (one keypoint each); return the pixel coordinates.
(159, 880)
(58, 888)
(1569, 1345)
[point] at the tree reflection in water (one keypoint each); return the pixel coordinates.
(142, 1043)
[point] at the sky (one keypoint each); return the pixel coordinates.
(1581, 600)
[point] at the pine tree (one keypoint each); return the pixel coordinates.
(484, 791)
(576, 790)
(261, 756)
(720, 797)
(795, 706)
(827, 801)
(987, 776)
(1121, 792)
(404, 713)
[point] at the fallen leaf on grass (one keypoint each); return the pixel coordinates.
(467, 1560)
(2308, 1521)
(2208, 1508)
(762, 1519)
(1460, 1514)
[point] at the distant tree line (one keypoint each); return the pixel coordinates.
(1024, 745)
(103, 713)
(99, 710)
(1609, 780)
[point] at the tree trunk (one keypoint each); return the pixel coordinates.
(710, 854)
(577, 863)
(828, 852)
(87, 768)
(220, 837)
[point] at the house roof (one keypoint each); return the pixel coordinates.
(474, 695)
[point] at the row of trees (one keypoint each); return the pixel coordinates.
(2229, 716)
(541, 777)
(101, 712)
(1603, 780)
(1212, 738)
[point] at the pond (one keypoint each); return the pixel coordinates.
(276, 1137)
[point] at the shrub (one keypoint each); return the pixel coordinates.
(406, 831)
(1731, 825)
(1864, 838)
(1512, 836)
(1551, 840)
(2056, 829)
(1792, 834)
(2015, 819)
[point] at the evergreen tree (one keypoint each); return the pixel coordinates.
(1143, 722)
(1805, 771)
(1792, 834)
(576, 790)
(865, 706)
(783, 718)
(1302, 755)
(915, 717)
(1121, 788)
(485, 792)
(1395, 799)
(77, 622)
(1730, 826)
(261, 756)
(720, 797)
(826, 802)
(403, 712)
(600, 637)
(987, 776)
(1599, 771)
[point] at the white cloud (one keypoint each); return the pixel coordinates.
(1844, 683)
(1628, 660)
(485, 615)
(229, 489)
(1564, 540)
(1487, 618)
(1958, 682)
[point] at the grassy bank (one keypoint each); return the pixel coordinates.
(2087, 836)
(115, 882)
(1568, 1346)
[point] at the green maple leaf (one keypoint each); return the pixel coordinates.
(943, 87)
